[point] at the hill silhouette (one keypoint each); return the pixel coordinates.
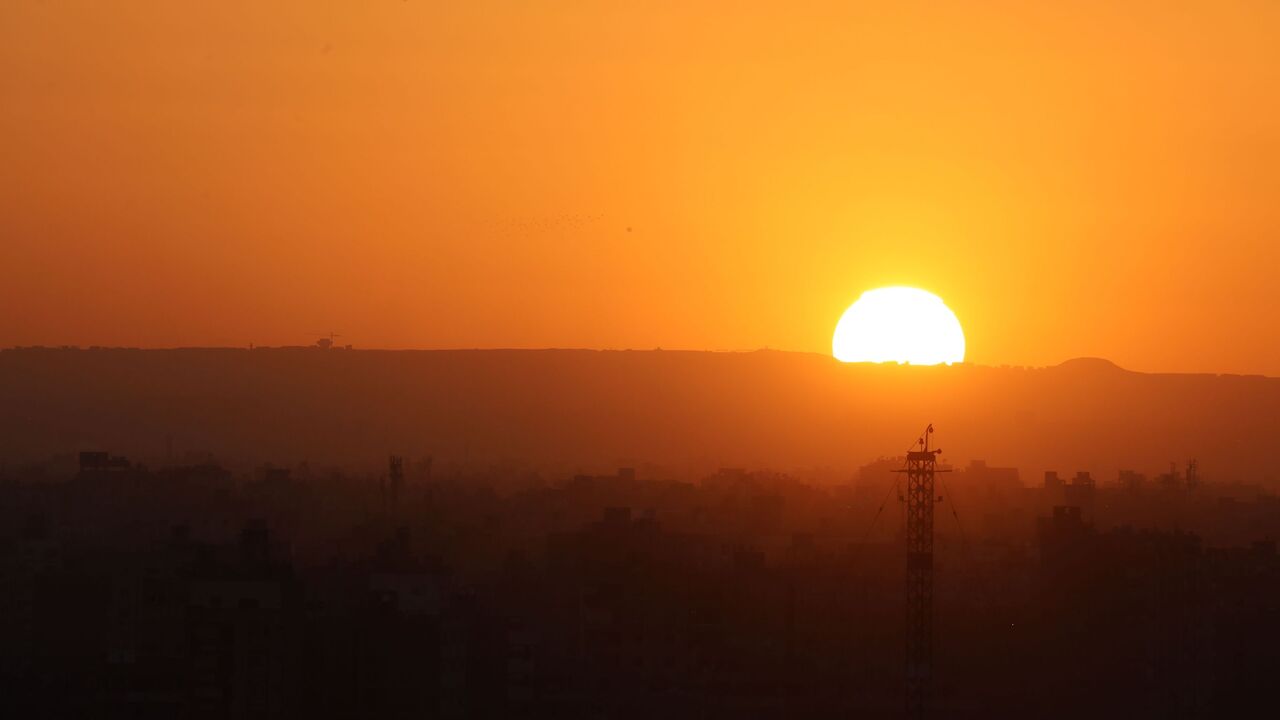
(596, 409)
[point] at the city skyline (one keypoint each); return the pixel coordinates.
(684, 359)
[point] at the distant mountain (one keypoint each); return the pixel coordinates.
(1090, 365)
(595, 409)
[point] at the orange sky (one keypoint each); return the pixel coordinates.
(1073, 178)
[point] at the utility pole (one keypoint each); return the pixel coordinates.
(921, 466)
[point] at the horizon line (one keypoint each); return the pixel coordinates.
(314, 347)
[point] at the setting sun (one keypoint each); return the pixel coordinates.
(899, 324)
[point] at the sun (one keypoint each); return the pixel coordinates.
(899, 324)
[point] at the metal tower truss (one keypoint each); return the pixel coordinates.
(920, 498)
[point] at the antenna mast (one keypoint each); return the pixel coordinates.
(920, 469)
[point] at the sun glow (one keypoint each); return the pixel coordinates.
(899, 324)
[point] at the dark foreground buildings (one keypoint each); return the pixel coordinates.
(191, 591)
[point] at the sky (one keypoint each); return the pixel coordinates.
(1074, 179)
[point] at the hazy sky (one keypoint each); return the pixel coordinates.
(1072, 178)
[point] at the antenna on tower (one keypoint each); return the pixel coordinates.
(920, 469)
